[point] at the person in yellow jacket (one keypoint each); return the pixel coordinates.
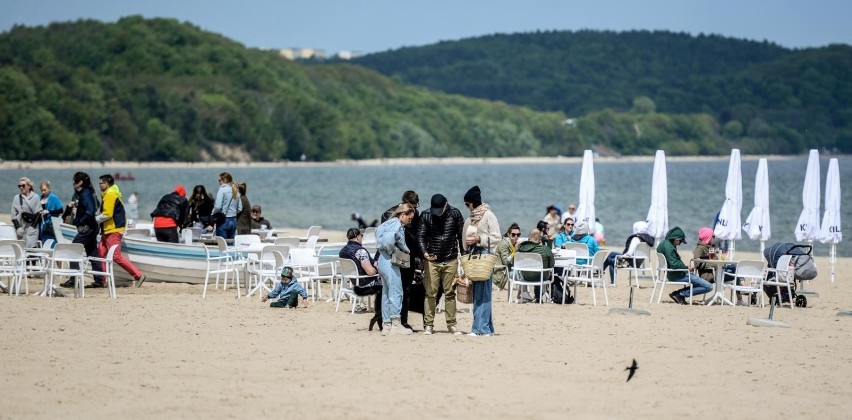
(113, 220)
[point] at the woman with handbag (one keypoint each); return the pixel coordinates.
(26, 210)
(390, 237)
(482, 232)
(226, 207)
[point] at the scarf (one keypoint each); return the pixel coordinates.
(477, 213)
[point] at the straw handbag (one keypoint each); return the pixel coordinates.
(478, 267)
(464, 290)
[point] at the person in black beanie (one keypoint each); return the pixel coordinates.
(407, 273)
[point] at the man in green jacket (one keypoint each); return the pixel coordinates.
(668, 247)
(533, 244)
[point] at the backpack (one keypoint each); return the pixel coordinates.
(556, 292)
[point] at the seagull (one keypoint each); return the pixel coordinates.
(632, 368)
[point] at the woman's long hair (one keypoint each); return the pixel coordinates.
(226, 176)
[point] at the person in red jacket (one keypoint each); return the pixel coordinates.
(170, 214)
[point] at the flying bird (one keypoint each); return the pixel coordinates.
(632, 368)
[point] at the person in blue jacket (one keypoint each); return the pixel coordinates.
(287, 291)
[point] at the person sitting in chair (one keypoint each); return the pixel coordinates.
(668, 247)
(534, 244)
(257, 219)
(366, 267)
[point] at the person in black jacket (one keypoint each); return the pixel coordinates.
(86, 208)
(440, 239)
(407, 273)
(200, 207)
(170, 215)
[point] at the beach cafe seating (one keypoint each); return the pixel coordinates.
(783, 275)
(308, 269)
(312, 237)
(8, 232)
(581, 250)
(637, 264)
(530, 262)
(752, 275)
(64, 255)
(292, 241)
(107, 270)
(663, 279)
(590, 274)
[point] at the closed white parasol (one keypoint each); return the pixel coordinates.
(830, 232)
(807, 229)
(757, 225)
(658, 213)
(729, 224)
(586, 202)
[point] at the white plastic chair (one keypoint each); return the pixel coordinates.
(219, 261)
(308, 269)
(291, 241)
(530, 262)
(64, 256)
(638, 264)
(588, 274)
(662, 276)
(12, 266)
(751, 272)
(783, 276)
(8, 232)
(312, 237)
(107, 269)
(349, 275)
(266, 268)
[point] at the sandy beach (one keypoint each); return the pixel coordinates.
(160, 351)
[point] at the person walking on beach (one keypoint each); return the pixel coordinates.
(411, 198)
(668, 247)
(170, 215)
(25, 213)
(85, 208)
(228, 204)
(440, 237)
(390, 239)
(113, 221)
(482, 233)
(288, 291)
(51, 207)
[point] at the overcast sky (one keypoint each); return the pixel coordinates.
(378, 25)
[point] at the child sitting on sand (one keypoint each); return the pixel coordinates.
(287, 291)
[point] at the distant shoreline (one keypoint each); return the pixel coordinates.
(53, 164)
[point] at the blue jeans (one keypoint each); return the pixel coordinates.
(699, 285)
(228, 229)
(610, 262)
(391, 289)
(482, 323)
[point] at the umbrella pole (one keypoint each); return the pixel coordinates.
(762, 246)
(731, 249)
(833, 259)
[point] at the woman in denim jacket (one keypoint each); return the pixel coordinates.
(390, 237)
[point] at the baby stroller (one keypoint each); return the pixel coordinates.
(804, 269)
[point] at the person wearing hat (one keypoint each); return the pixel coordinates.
(668, 248)
(257, 219)
(581, 234)
(439, 238)
(287, 291)
(640, 234)
(171, 213)
(482, 234)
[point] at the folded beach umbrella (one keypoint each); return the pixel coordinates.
(807, 229)
(586, 202)
(756, 225)
(729, 224)
(658, 213)
(830, 232)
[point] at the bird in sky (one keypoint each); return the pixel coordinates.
(632, 368)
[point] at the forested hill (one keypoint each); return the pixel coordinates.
(770, 98)
(162, 90)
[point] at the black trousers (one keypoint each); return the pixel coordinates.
(167, 235)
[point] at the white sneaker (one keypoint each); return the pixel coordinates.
(454, 331)
(527, 297)
(428, 330)
(386, 328)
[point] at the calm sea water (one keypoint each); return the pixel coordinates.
(299, 196)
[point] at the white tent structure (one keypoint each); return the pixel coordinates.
(807, 229)
(830, 232)
(757, 225)
(728, 226)
(586, 202)
(658, 213)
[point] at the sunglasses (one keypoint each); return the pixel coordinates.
(22, 185)
(569, 224)
(514, 235)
